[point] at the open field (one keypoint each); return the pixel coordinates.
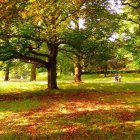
(96, 109)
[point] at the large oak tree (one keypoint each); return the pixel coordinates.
(32, 30)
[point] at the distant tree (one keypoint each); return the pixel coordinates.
(90, 42)
(6, 67)
(64, 64)
(33, 72)
(129, 33)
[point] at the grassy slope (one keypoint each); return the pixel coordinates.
(97, 108)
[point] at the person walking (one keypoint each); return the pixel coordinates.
(116, 77)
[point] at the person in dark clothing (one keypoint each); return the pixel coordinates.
(116, 77)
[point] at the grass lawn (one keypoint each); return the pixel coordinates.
(96, 109)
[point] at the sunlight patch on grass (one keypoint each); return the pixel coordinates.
(104, 87)
(70, 128)
(73, 107)
(5, 114)
(133, 123)
(91, 83)
(19, 87)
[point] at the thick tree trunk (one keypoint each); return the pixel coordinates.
(33, 73)
(52, 73)
(7, 74)
(77, 72)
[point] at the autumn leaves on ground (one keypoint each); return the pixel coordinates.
(84, 113)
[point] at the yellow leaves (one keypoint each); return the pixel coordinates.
(70, 128)
(2, 1)
(77, 2)
(4, 114)
(32, 0)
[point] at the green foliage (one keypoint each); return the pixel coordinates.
(33, 31)
(64, 65)
(20, 69)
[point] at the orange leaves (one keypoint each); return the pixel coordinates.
(126, 116)
(31, 129)
(69, 128)
(74, 116)
(2, 1)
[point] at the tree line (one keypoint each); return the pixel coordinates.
(85, 31)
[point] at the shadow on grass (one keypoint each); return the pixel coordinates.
(77, 111)
(84, 125)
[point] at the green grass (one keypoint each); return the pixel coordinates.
(18, 87)
(19, 105)
(97, 108)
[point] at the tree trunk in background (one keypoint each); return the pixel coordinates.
(105, 70)
(33, 72)
(60, 71)
(77, 72)
(7, 74)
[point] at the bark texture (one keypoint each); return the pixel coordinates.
(33, 72)
(7, 74)
(77, 71)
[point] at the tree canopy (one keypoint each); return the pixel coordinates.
(34, 30)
